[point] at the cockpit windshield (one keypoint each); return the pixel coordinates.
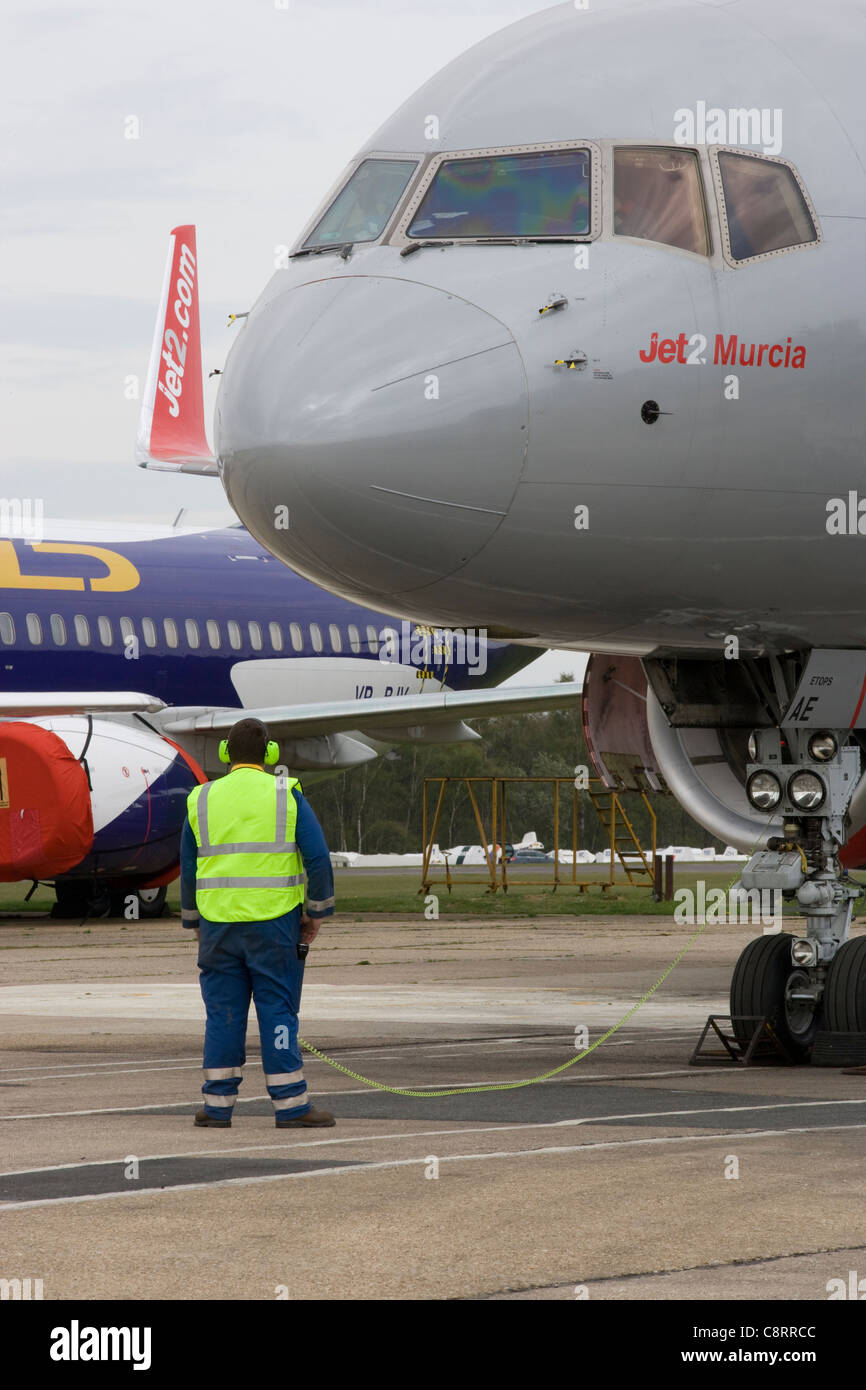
(513, 195)
(765, 208)
(362, 207)
(658, 195)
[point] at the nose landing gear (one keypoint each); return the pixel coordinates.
(803, 984)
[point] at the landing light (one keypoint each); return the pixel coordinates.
(823, 747)
(803, 951)
(764, 790)
(807, 791)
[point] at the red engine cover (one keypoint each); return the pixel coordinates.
(46, 825)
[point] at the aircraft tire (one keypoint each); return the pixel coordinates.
(153, 905)
(762, 976)
(845, 989)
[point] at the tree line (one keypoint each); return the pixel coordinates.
(377, 808)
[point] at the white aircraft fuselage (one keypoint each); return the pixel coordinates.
(690, 468)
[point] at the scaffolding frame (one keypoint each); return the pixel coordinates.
(613, 817)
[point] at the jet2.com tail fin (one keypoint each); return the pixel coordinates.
(171, 429)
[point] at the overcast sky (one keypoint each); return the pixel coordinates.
(247, 112)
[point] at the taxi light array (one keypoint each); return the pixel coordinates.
(823, 746)
(764, 790)
(806, 791)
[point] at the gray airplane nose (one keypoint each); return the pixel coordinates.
(389, 417)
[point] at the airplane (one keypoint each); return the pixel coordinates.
(94, 774)
(574, 350)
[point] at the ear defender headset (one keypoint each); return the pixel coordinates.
(272, 752)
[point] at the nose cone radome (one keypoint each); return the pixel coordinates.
(390, 419)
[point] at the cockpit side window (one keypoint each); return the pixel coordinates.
(363, 206)
(658, 195)
(764, 206)
(535, 195)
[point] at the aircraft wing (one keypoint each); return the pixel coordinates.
(393, 720)
(30, 704)
(171, 429)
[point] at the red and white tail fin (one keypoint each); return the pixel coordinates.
(171, 430)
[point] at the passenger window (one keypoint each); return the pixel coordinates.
(764, 206)
(104, 626)
(7, 629)
(213, 633)
(192, 633)
(148, 631)
(82, 630)
(354, 638)
(127, 629)
(372, 639)
(170, 629)
(255, 636)
(545, 194)
(234, 634)
(297, 636)
(658, 195)
(34, 629)
(58, 630)
(336, 637)
(275, 633)
(316, 637)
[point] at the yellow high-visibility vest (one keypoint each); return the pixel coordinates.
(249, 868)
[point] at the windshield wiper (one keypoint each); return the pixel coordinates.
(345, 246)
(420, 246)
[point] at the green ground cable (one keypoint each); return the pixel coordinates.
(532, 1080)
(507, 1085)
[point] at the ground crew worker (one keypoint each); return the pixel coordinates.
(245, 843)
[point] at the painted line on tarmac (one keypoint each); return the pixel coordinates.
(356, 1091)
(455, 1131)
(360, 1166)
(64, 1069)
(252, 1058)
(725, 1267)
(140, 1109)
(122, 1062)
(77, 1075)
(713, 1110)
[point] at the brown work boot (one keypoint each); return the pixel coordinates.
(211, 1122)
(324, 1118)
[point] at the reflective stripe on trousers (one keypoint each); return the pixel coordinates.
(292, 1102)
(240, 961)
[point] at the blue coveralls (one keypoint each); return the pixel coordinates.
(243, 960)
